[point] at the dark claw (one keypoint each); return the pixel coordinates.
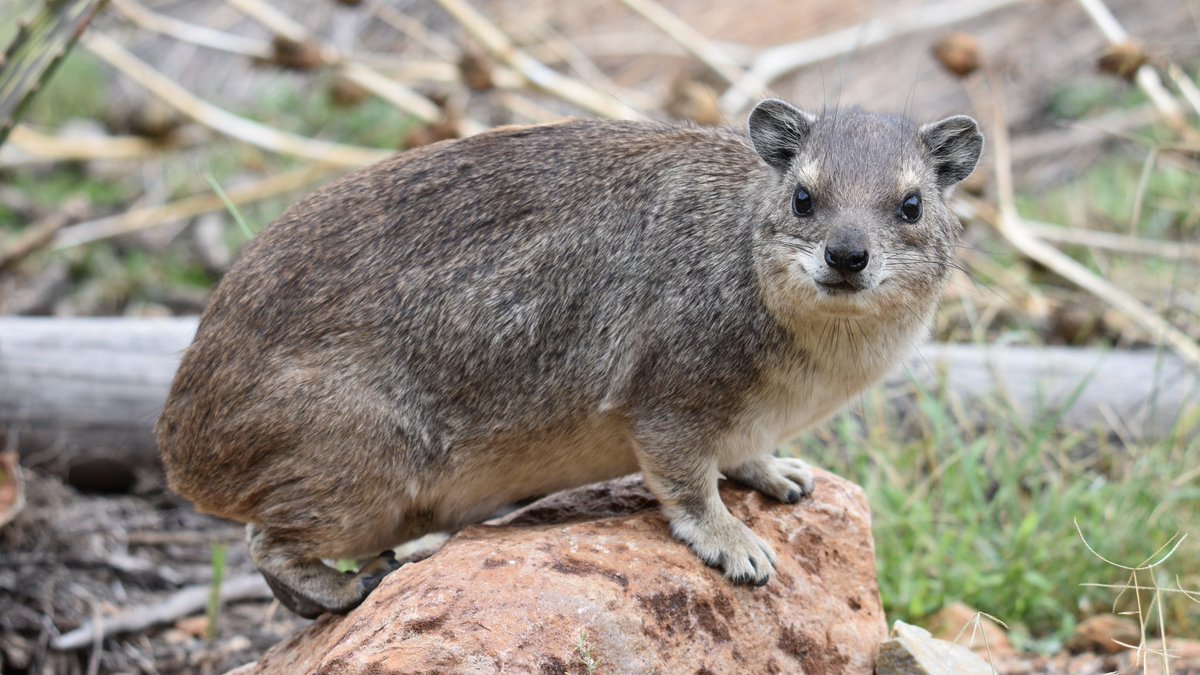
(370, 582)
(793, 496)
(749, 580)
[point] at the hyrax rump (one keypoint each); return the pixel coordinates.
(479, 321)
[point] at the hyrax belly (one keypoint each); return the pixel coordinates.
(502, 471)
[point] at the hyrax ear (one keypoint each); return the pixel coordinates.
(777, 131)
(952, 148)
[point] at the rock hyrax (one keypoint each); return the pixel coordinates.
(479, 321)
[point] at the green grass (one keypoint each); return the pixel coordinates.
(1104, 198)
(49, 190)
(77, 90)
(584, 649)
(1092, 94)
(987, 516)
(213, 609)
(292, 106)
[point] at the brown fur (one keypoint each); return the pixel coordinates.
(480, 321)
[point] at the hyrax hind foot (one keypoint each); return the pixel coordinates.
(308, 586)
(786, 479)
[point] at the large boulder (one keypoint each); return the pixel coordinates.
(590, 580)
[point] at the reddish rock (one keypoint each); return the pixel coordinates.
(592, 576)
(1104, 634)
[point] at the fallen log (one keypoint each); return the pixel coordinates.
(79, 389)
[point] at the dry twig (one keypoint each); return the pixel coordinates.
(140, 219)
(1187, 88)
(501, 47)
(1147, 77)
(223, 121)
(38, 236)
(1008, 222)
(778, 61)
(36, 51)
(183, 603)
(190, 33)
(202, 36)
(40, 147)
(688, 38)
(1111, 241)
(415, 30)
(400, 97)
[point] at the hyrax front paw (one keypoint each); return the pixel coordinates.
(784, 478)
(724, 542)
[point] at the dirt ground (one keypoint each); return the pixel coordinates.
(69, 557)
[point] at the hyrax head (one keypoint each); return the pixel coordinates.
(857, 222)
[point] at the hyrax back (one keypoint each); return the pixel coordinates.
(485, 320)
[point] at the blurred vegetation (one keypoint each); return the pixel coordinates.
(986, 516)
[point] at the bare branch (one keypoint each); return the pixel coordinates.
(415, 30)
(183, 31)
(35, 52)
(779, 61)
(40, 147)
(399, 96)
(535, 72)
(183, 603)
(1008, 222)
(1147, 77)
(1120, 243)
(143, 218)
(36, 237)
(223, 121)
(688, 38)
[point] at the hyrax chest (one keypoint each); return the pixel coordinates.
(829, 366)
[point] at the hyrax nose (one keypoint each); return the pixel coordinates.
(846, 251)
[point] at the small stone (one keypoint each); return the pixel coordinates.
(345, 93)
(476, 68)
(956, 623)
(913, 651)
(958, 53)
(1123, 60)
(235, 644)
(1184, 649)
(428, 134)
(195, 626)
(1103, 633)
(174, 636)
(294, 55)
(693, 100)
(12, 487)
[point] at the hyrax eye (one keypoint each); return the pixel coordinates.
(910, 208)
(802, 202)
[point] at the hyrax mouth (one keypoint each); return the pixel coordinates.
(839, 287)
(842, 284)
